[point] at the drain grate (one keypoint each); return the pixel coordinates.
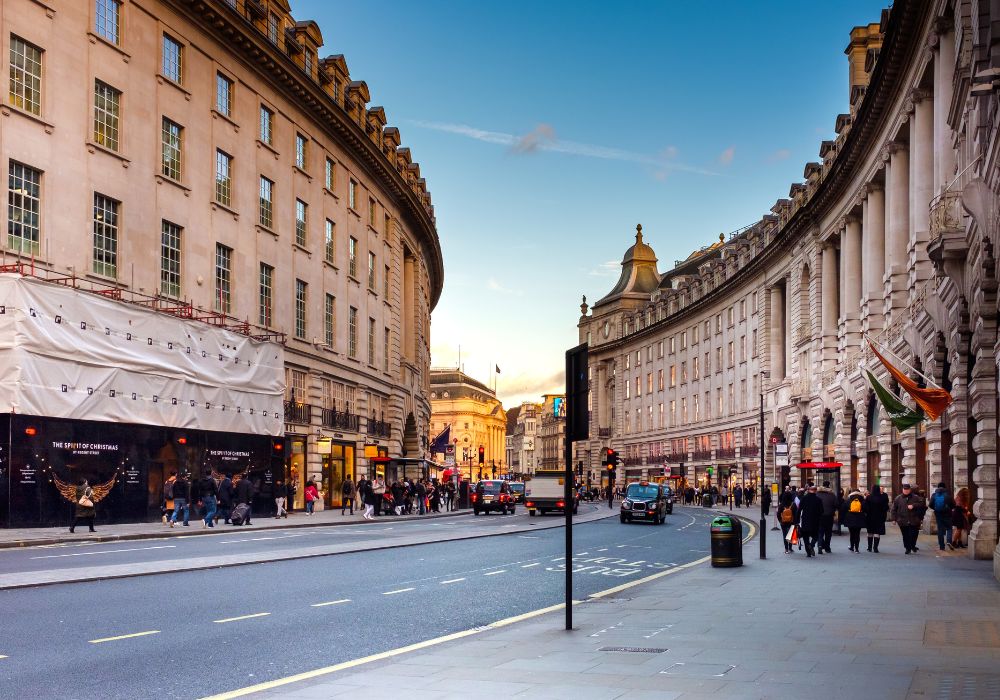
(636, 650)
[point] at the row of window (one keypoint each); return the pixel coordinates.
(637, 324)
(696, 409)
(696, 365)
(333, 394)
(658, 449)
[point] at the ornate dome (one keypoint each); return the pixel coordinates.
(639, 276)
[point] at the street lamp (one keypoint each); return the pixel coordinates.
(763, 518)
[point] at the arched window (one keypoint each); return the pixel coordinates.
(807, 435)
(873, 415)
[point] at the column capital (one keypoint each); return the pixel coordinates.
(897, 146)
(873, 187)
(918, 95)
(851, 218)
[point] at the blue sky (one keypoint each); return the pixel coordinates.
(547, 131)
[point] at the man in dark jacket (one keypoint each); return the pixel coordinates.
(207, 494)
(942, 504)
(225, 498)
(907, 510)
(280, 495)
(810, 515)
(765, 500)
(244, 494)
(182, 497)
(829, 500)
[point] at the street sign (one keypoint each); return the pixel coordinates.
(781, 448)
(774, 439)
(781, 460)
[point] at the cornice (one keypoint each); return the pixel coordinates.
(232, 30)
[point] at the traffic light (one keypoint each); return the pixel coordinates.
(610, 458)
(482, 454)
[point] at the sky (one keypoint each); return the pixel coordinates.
(547, 131)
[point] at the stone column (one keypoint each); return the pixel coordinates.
(921, 185)
(851, 279)
(874, 256)
(896, 278)
(944, 69)
(830, 304)
(777, 333)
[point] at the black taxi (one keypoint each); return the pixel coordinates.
(492, 495)
(645, 500)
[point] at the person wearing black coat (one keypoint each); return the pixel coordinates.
(787, 513)
(854, 517)
(765, 501)
(810, 518)
(244, 494)
(876, 508)
(225, 498)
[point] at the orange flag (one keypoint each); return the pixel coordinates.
(933, 401)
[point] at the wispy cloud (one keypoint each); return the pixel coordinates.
(495, 286)
(780, 154)
(611, 268)
(543, 138)
(726, 157)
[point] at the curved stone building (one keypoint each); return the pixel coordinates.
(209, 155)
(891, 235)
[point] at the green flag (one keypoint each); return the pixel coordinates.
(901, 415)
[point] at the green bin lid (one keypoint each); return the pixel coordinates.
(723, 520)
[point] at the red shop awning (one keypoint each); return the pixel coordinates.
(820, 466)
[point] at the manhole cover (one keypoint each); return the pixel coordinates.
(636, 650)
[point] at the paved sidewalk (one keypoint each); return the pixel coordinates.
(34, 536)
(838, 626)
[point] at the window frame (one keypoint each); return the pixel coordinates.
(175, 232)
(105, 230)
(26, 70)
(172, 50)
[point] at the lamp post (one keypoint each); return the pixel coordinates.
(763, 517)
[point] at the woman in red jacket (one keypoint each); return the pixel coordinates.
(312, 495)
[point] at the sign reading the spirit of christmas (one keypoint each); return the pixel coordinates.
(229, 455)
(85, 448)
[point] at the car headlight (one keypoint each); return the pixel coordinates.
(626, 503)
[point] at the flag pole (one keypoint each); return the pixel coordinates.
(903, 362)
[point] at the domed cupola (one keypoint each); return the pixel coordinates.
(639, 277)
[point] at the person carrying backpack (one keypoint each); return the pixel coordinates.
(942, 504)
(854, 517)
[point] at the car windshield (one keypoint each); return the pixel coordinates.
(490, 486)
(517, 488)
(640, 491)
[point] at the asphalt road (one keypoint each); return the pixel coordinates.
(187, 635)
(288, 542)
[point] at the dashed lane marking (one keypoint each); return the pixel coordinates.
(528, 566)
(494, 573)
(452, 580)
(401, 590)
(331, 602)
(115, 639)
(241, 617)
(105, 551)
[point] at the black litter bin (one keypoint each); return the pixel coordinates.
(727, 541)
(706, 500)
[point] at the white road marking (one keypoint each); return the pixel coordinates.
(452, 580)
(114, 639)
(106, 551)
(528, 537)
(241, 617)
(494, 573)
(528, 566)
(401, 590)
(580, 554)
(332, 602)
(604, 549)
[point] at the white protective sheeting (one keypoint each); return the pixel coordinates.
(65, 353)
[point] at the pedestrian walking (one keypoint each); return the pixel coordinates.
(243, 495)
(207, 493)
(876, 509)
(83, 508)
(280, 496)
(787, 516)
(765, 500)
(347, 495)
(907, 510)
(738, 496)
(167, 507)
(829, 500)
(943, 504)
(311, 494)
(421, 493)
(181, 491)
(960, 519)
(378, 489)
(810, 518)
(225, 499)
(370, 499)
(854, 518)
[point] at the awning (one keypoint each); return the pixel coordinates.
(820, 466)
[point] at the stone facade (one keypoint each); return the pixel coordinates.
(522, 438)
(476, 417)
(216, 134)
(891, 235)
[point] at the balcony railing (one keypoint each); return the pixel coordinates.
(378, 428)
(676, 457)
(726, 453)
(750, 451)
(604, 432)
(632, 461)
(340, 420)
(701, 455)
(296, 412)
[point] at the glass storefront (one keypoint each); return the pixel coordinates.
(337, 466)
(296, 470)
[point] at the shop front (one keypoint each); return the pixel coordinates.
(296, 449)
(43, 459)
(338, 460)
